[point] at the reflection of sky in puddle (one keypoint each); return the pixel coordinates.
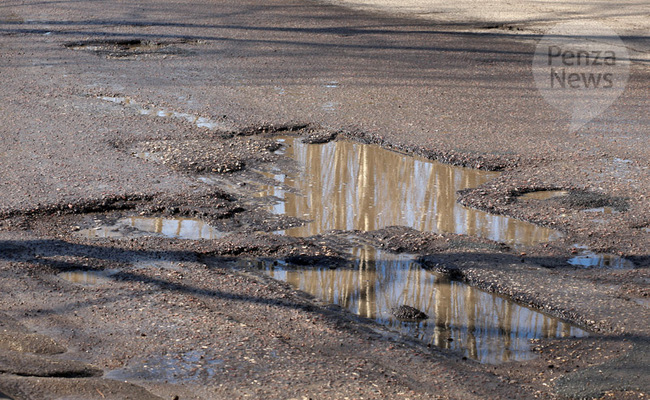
(200, 122)
(180, 228)
(348, 186)
(589, 259)
(485, 327)
(601, 210)
(190, 366)
(642, 302)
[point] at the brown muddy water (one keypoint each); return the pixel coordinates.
(353, 186)
(483, 326)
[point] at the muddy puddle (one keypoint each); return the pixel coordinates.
(545, 194)
(483, 326)
(352, 186)
(88, 277)
(178, 228)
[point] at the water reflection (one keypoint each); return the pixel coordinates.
(179, 228)
(589, 259)
(88, 277)
(200, 122)
(345, 185)
(485, 327)
(545, 194)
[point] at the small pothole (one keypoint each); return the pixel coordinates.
(131, 48)
(485, 327)
(85, 277)
(544, 194)
(590, 259)
(175, 228)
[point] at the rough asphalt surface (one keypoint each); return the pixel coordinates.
(188, 320)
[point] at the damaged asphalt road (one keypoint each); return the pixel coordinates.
(210, 87)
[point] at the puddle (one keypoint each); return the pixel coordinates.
(88, 277)
(348, 186)
(601, 210)
(180, 228)
(200, 122)
(589, 259)
(642, 302)
(483, 326)
(545, 194)
(190, 366)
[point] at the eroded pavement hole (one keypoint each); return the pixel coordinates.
(130, 48)
(85, 277)
(140, 226)
(343, 185)
(173, 368)
(589, 259)
(483, 326)
(545, 194)
(350, 186)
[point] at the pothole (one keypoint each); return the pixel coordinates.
(483, 326)
(132, 48)
(175, 228)
(642, 302)
(85, 277)
(601, 210)
(172, 368)
(592, 201)
(544, 194)
(343, 185)
(589, 259)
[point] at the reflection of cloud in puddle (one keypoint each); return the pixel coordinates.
(180, 228)
(486, 327)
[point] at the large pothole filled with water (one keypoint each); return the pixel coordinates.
(483, 326)
(344, 185)
(350, 186)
